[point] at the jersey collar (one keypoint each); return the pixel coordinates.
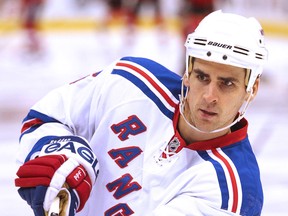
(238, 133)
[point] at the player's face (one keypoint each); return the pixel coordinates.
(216, 93)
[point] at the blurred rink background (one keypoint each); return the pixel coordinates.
(78, 37)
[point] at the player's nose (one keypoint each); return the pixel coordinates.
(211, 93)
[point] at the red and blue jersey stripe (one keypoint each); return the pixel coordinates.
(34, 120)
(158, 83)
(238, 177)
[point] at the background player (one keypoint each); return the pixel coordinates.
(30, 12)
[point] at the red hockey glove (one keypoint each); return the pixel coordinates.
(64, 175)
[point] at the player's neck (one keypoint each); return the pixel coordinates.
(191, 135)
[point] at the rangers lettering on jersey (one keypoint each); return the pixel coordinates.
(122, 156)
(131, 126)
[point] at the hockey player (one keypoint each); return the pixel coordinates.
(30, 11)
(136, 139)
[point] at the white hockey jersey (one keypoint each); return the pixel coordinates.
(128, 112)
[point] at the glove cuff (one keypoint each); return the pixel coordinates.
(74, 147)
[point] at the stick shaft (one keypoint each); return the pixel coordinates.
(54, 209)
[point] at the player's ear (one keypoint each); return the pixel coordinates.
(186, 79)
(254, 89)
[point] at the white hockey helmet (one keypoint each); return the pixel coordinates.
(229, 39)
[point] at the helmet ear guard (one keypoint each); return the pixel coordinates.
(228, 39)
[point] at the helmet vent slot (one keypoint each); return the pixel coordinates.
(236, 51)
(259, 56)
(200, 41)
(240, 50)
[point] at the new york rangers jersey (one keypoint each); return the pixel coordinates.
(128, 112)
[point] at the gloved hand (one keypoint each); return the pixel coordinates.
(63, 175)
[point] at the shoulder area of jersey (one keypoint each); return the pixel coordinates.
(146, 65)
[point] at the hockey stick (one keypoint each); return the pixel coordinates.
(55, 208)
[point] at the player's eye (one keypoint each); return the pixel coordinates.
(228, 83)
(202, 77)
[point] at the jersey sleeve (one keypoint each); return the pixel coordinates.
(64, 111)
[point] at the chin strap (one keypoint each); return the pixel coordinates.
(182, 106)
